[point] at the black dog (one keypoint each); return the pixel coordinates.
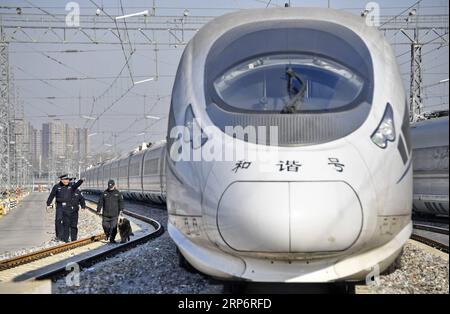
(125, 230)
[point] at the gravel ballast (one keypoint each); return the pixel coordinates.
(416, 271)
(88, 224)
(153, 268)
(148, 268)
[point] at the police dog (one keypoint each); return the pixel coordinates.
(125, 230)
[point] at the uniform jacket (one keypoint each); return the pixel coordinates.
(112, 203)
(63, 193)
(78, 200)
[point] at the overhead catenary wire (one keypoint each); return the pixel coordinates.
(39, 79)
(74, 78)
(86, 77)
(120, 39)
(146, 129)
(127, 64)
(401, 13)
(142, 118)
(126, 28)
(211, 8)
(104, 98)
(42, 10)
(423, 54)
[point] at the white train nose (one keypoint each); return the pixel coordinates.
(289, 216)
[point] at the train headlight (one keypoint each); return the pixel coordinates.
(386, 130)
(196, 135)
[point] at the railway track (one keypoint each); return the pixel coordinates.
(432, 236)
(91, 196)
(85, 259)
(431, 228)
(40, 254)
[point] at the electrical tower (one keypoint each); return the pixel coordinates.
(4, 116)
(416, 82)
(416, 77)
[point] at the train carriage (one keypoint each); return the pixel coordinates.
(332, 200)
(114, 171)
(139, 176)
(135, 175)
(430, 153)
(122, 182)
(153, 178)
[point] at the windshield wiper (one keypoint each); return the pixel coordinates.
(292, 107)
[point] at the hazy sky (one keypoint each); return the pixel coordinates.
(40, 69)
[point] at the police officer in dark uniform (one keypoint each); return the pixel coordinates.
(63, 192)
(111, 201)
(70, 216)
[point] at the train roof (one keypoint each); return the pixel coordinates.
(221, 25)
(154, 146)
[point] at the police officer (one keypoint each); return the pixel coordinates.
(63, 192)
(111, 201)
(70, 216)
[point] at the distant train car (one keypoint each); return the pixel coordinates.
(332, 198)
(139, 176)
(430, 163)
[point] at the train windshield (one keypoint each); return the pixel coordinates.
(289, 84)
(313, 80)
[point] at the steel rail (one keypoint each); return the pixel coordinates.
(97, 257)
(433, 243)
(40, 254)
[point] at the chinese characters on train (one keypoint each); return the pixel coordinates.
(337, 165)
(241, 165)
(290, 165)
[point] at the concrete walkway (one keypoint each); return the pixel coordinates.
(28, 225)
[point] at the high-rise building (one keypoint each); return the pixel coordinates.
(82, 142)
(64, 148)
(36, 151)
(53, 147)
(20, 151)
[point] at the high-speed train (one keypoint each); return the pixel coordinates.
(430, 164)
(323, 192)
(326, 194)
(138, 175)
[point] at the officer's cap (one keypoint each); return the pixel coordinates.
(64, 176)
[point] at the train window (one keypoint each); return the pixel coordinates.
(135, 169)
(114, 171)
(311, 80)
(289, 84)
(151, 166)
(123, 171)
(106, 172)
